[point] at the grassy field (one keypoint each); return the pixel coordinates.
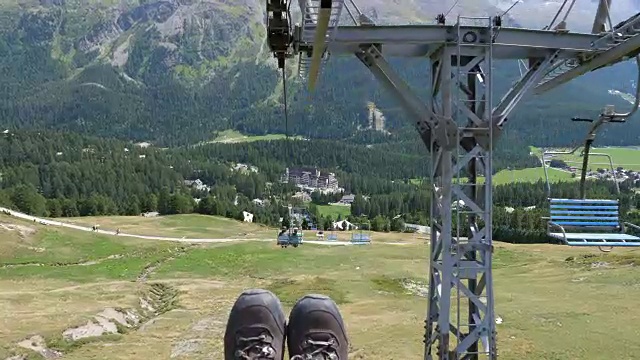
(556, 302)
(530, 175)
(194, 226)
(190, 226)
(626, 157)
(232, 136)
(334, 211)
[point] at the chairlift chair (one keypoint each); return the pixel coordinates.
(593, 222)
(289, 236)
(361, 236)
(283, 238)
(587, 216)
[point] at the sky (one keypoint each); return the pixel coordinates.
(533, 13)
(528, 13)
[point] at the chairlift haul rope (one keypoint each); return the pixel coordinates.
(286, 114)
(286, 238)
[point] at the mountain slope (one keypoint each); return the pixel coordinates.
(175, 71)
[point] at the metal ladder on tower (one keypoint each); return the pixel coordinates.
(609, 40)
(476, 110)
(308, 31)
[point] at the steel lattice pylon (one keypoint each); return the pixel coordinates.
(461, 104)
(459, 133)
(459, 125)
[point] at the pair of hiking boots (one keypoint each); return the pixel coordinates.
(257, 329)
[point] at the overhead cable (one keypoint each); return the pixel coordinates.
(564, 3)
(510, 7)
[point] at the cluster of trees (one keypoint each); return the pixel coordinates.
(66, 174)
(519, 208)
(61, 174)
(535, 194)
(410, 204)
(327, 154)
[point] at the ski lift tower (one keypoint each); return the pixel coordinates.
(459, 125)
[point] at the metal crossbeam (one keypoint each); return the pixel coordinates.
(398, 88)
(420, 40)
(620, 44)
(536, 70)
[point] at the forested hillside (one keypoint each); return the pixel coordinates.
(173, 72)
(57, 174)
(82, 82)
(61, 174)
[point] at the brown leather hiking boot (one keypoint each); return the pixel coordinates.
(256, 327)
(316, 330)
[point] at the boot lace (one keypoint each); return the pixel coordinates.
(318, 350)
(255, 348)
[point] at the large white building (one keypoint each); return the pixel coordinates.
(310, 178)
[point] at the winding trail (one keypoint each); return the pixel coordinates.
(175, 239)
(106, 232)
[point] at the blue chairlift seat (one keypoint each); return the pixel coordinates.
(360, 238)
(283, 239)
(287, 239)
(589, 223)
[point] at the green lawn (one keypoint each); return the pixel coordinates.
(540, 290)
(530, 175)
(556, 302)
(626, 157)
(233, 136)
(536, 151)
(334, 211)
(189, 225)
(72, 255)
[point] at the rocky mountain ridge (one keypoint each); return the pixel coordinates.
(175, 71)
(193, 32)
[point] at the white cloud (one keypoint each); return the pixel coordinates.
(538, 13)
(529, 13)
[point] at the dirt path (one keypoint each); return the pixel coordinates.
(105, 232)
(163, 238)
